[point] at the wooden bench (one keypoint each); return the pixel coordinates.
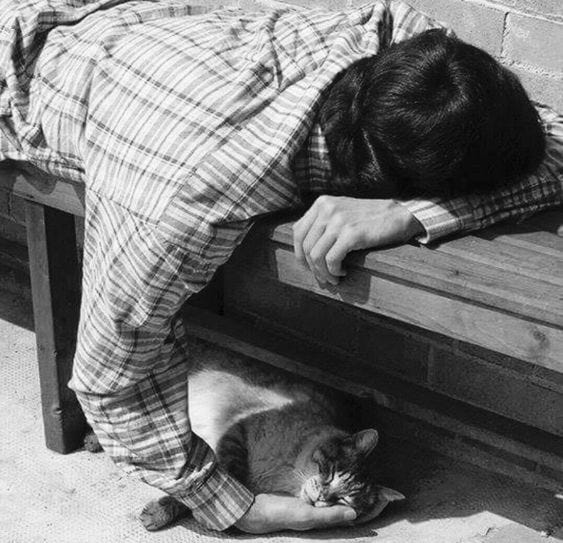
(460, 345)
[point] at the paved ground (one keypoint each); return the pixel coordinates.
(82, 498)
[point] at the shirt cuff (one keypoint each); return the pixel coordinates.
(219, 502)
(436, 220)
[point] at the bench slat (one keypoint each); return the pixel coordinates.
(42, 188)
(516, 260)
(506, 333)
(535, 240)
(548, 221)
(451, 275)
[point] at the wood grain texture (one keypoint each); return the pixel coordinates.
(55, 286)
(510, 274)
(36, 186)
(454, 313)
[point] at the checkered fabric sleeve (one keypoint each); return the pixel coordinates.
(135, 393)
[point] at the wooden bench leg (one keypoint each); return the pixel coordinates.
(55, 286)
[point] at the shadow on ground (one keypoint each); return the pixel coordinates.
(84, 498)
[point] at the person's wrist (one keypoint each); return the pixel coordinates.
(248, 520)
(412, 227)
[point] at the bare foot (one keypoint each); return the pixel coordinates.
(162, 512)
(91, 443)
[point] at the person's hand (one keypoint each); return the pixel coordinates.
(271, 513)
(335, 225)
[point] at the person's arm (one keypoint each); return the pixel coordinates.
(130, 374)
(334, 226)
(130, 366)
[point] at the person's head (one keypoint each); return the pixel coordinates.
(430, 115)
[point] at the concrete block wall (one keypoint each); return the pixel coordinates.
(14, 266)
(525, 35)
(12, 219)
(454, 398)
(491, 381)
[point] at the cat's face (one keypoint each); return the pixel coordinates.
(346, 476)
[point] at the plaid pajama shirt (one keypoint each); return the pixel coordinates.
(183, 128)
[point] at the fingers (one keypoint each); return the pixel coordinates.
(300, 230)
(270, 513)
(335, 226)
(307, 233)
(375, 512)
(336, 254)
(313, 235)
(315, 252)
(325, 517)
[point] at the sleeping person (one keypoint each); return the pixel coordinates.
(184, 128)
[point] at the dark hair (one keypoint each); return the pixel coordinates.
(430, 115)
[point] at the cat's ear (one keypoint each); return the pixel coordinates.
(366, 440)
(390, 495)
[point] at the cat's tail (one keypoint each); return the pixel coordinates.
(160, 513)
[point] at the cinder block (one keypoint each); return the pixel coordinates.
(247, 290)
(534, 42)
(474, 23)
(498, 390)
(546, 8)
(14, 281)
(486, 451)
(544, 89)
(393, 351)
(11, 207)
(5, 204)
(324, 322)
(543, 376)
(12, 231)
(315, 318)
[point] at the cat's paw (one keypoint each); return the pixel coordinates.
(91, 443)
(162, 512)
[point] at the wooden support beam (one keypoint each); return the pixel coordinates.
(55, 286)
(33, 185)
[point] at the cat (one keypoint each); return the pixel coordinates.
(277, 433)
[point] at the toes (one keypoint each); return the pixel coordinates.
(160, 513)
(91, 443)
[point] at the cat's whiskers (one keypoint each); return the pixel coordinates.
(301, 475)
(274, 470)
